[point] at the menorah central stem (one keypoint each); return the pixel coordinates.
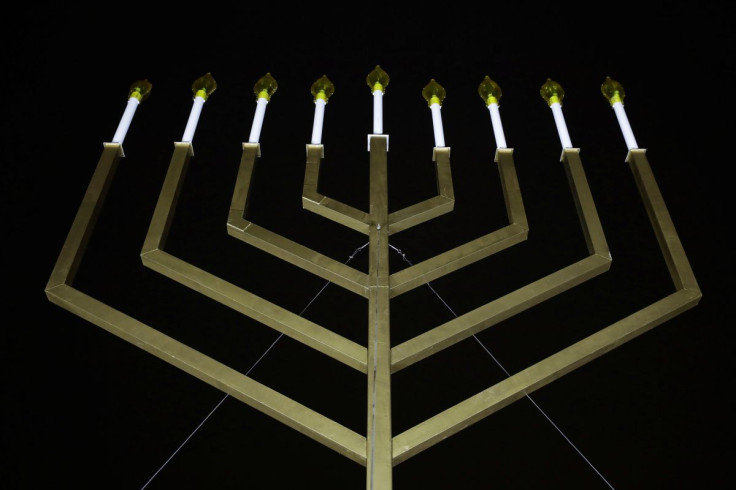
(379, 449)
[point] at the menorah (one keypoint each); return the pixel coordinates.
(379, 449)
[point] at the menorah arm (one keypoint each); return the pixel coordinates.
(59, 291)
(494, 312)
(525, 297)
(325, 206)
(76, 241)
(664, 228)
(214, 373)
(686, 296)
(433, 207)
(278, 318)
(288, 250)
(493, 399)
(228, 294)
(480, 248)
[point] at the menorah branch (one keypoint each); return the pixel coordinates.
(331, 209)
(475, 250)
(664, 228)
(491, 313)
(76, 241)
(431, 208)
(279, 246)
(449, 422)
(60, 292)
(272, 315)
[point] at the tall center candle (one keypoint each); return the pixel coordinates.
(377, 81)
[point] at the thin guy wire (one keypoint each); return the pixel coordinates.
(351, 257)
(429, 285)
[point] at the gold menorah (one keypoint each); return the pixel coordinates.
(379, 449)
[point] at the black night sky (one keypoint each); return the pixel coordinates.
(86, 409)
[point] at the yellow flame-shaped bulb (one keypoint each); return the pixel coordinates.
(377, 79)
(552, 92)
(489, 91)
(265, 87)
(612, 91)
(323, 89)
(140, 89)
(433, 93)
(204, 86)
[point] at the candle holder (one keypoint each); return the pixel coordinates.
(378, 449)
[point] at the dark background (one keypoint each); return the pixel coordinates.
(85, 409)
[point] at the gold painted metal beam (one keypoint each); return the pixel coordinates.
(288, 250)
(323, 205)
(464, 326)
(379, 451)
(433, 207)
(686, 296)
(475, 250)
(60, 292)
(270, 314)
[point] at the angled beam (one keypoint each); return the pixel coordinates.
(325, 206)
(491, 313)
(426, 210)
(77, 239)
(502, 394)
(60, 292)
(686, 296)
(270, 314)
(478, 249)
(288, 250)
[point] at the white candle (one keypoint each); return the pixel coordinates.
(193, 119)
(561, 126)
(319, 115)
(377, 111)
(439, 136)
(497, 127)
(623, 121)
(255, 130)
(124, 124)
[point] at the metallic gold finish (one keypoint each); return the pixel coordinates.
(686, 296)
(464, 326)
(379, 450)
(424, 211)
(477, 249)
(228, 294)
(329, 208)
(314, 262)
(59, 290)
